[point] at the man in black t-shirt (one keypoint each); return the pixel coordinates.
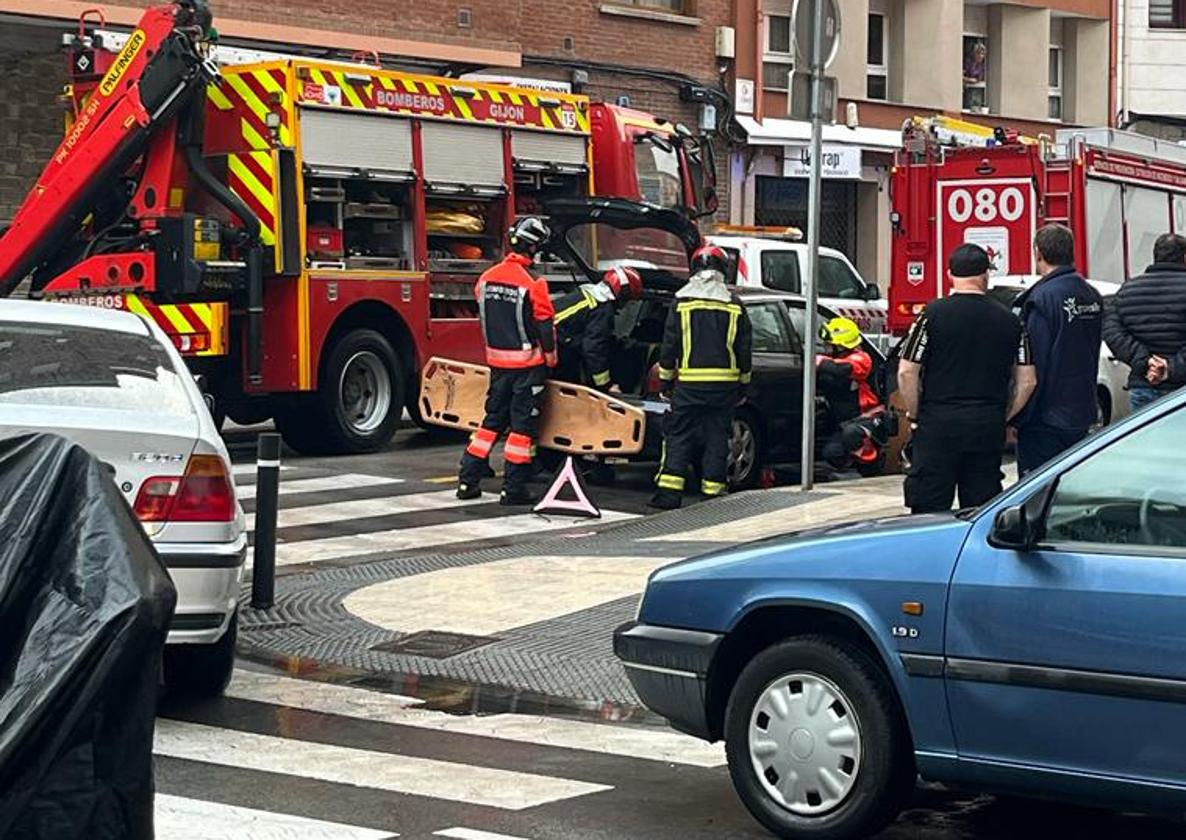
(965, 370)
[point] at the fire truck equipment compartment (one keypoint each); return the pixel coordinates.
(86, 605)
(574, 419)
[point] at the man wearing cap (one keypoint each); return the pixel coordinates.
(965, 370)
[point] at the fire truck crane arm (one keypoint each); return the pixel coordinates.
(159, 72)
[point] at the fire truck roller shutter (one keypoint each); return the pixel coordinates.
(539, 147)
(365, 141)
(462, 154)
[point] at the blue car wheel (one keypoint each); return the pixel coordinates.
(815, 741)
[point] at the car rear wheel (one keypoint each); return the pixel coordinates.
(202, 670)
(745, 451)
(359, 400)
(814, 741)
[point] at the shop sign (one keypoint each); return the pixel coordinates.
(836, 162)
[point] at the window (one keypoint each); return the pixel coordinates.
(780, 270)
(769, 329)
(1167, 14)
(837, 280)
(657, 166)
(976, 73)
(1133, 493)
(674, 6)
(779, 60)
(83, 367)
(877, 73)
(1055, 97)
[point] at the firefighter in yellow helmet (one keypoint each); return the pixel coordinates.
(843, 371)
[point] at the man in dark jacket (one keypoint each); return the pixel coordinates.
(1063, 316)
(585, 326)
(1145, 324)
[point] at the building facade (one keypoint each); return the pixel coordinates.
(1035, 67)
(1151, 67)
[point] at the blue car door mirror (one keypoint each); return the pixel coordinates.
(1021, 527)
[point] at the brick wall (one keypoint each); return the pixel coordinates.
(32, 73)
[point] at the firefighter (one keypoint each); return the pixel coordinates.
(585, 325)
(704, 365)
(516, 313)
(843, 371)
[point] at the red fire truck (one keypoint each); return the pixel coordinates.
(309, 232)
(955, 182)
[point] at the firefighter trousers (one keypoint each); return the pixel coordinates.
(512, 406)
(700, 419)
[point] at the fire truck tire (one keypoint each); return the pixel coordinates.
(359, 400)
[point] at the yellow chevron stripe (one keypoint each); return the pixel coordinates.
(248, 96)
(273, 87)
(546, 118)
(204, 312)
(463, 107)
(583, 119)
(215, 94)
(516, 99)
(319, 77)
(494, 95)
(180, 324)
(214, 316)
(387, 83)
(133, 303)
(410, 84)
(247, 177)
(348, 90)
(253, 138)
(433, 88)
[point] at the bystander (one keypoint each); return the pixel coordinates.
(1063, 316)
(1145, 323)
(965, 370)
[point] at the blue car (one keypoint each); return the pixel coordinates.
(1036, 646)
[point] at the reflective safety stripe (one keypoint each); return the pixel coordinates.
(745, 378)
(712, 488)
(601, 378)
(733, 319)
(481, 442)
(498, 357)
(666, 374)
(718, 306)
(667, 481)
(685, 325)
(709, 375)
(586, 302)
(519, 449)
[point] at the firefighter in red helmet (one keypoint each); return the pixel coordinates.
(704, 365)
(585, 326)
(516, 312)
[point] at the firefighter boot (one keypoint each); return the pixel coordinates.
(469, 491)
(512, 497)
(666, 500)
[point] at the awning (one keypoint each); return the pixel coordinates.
(775, 132)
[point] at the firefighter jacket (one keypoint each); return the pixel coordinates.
(844, 381)
(707, 337)
(585, 327)
(516, 312)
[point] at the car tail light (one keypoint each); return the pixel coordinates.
(203, 494)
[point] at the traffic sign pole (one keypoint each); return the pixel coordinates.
(807, 466)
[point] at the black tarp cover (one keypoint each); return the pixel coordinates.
(85, 605)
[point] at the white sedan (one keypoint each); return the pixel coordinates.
(113, 383)
(1112, 378)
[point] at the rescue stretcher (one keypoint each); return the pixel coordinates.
(573, 418)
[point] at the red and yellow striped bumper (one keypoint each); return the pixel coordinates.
(196, 329)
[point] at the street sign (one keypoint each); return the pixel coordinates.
(802, 15)
(800, 98)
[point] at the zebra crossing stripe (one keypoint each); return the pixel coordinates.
(194, 819)
(472, 834)
(345, 701)
(473, 785)
(364, 508)
(315, 485)
(426, 536)
(248, 469)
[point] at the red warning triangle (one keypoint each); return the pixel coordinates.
(568, 477)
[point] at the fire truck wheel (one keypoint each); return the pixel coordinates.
(359, 400)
